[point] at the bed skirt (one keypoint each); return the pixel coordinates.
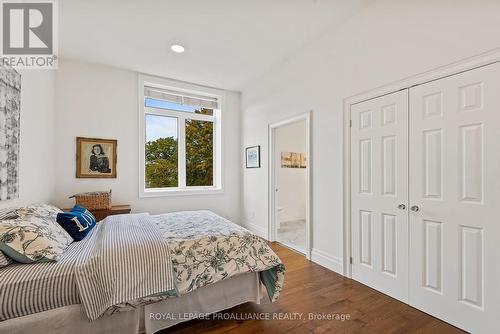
(150, 318)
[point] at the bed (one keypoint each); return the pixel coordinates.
(214, 264)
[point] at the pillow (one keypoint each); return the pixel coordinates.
(78, 222)
(4, 260)
(45, 211)
(34, 236)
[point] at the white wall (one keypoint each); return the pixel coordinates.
(102, 102)
(291, 182)
(36, 152)
(388, 41)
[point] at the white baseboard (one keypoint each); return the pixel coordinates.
(326, 260)
(260, 231)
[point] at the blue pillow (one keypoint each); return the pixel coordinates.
(78, 222)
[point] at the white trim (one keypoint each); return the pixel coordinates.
(326, 260)
(219, 149)
(271, 178)
(181, 150)
(483, 59)
(346, 188)
(181, 192)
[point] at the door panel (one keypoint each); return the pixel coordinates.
(379, 178)
(455, 182)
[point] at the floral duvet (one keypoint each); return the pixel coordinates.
(206, 248)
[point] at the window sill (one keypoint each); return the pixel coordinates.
(145, 193)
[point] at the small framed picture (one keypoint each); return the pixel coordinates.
(252, 155)
(293, 160)
(95, 158)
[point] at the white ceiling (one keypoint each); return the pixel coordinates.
(229, 43)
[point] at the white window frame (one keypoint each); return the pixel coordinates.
(181, 87)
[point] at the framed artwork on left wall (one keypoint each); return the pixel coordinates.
(95, 158)
(10, 101)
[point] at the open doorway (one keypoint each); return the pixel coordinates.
(289, 186)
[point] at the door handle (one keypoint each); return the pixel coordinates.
(415, 208)
(401, 206)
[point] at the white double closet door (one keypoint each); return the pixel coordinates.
(425, 197)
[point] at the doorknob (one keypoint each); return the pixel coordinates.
(401, 206)
(414, 208)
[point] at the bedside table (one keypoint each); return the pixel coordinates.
(115, 210)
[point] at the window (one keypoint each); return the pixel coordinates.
(180, 131)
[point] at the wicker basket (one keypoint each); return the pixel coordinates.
(96, 200)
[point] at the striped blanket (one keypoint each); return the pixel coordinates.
(127, 259)
(32, 288)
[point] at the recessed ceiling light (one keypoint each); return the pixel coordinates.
(177, 48)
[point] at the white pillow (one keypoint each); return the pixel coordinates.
(40, 210)
(35, 236)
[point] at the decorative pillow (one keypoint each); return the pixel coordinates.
(78, 222)
(45, 211)
(34, 236)
(4, 260)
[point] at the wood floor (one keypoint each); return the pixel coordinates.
(310, 288)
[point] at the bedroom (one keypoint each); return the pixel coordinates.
(255, 65)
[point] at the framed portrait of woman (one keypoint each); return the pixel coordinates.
(95, 158)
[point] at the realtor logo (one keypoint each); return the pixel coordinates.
(29, 34)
